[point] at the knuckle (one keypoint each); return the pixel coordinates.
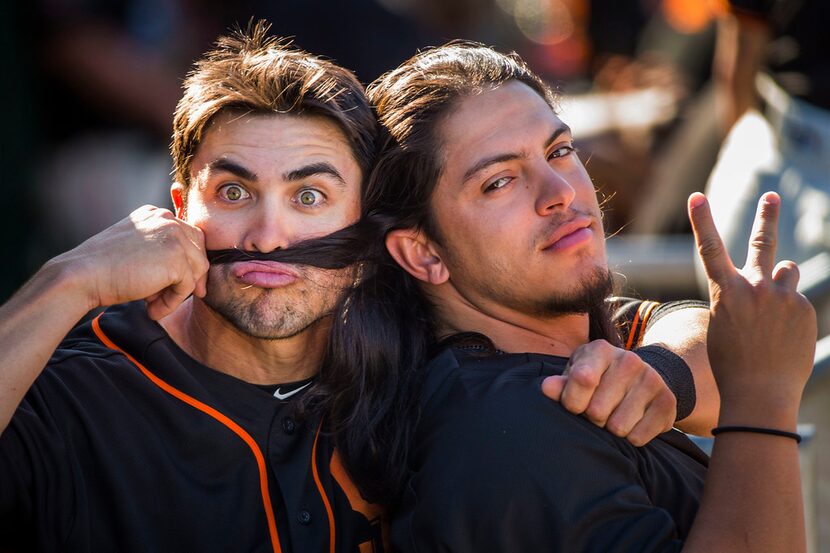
(616, 427)
(597, 412)
(762, 241)
(601, 344)
(584, 376)
(637, 439)
(709, 246)
(573, 404)
(204, 265)
(655, 382)
(666, 403)
(631, 362)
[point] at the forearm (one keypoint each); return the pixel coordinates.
(683, 331)
(32, 324)
(750, 501)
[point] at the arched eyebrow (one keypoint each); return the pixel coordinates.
(499, 158)
(320, 168)
(232, 167)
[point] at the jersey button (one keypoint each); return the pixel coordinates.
(288, 425)
(304, 517)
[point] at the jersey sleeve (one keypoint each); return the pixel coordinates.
(518, 473)
(38, 468)
(31, 468)
(634, 317)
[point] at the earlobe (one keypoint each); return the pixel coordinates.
(416, 255)
(177, 192)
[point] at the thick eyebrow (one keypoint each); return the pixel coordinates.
(322, 167)
(232, 167)
(488, 161)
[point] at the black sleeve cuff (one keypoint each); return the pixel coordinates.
(676, 373)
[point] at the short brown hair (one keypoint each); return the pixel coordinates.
(251, 72)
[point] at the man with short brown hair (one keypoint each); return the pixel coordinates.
(172, 427)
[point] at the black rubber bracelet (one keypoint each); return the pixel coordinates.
(771, 431)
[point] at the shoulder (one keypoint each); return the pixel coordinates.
(498, 398)
(87, 360)
(488, 421)
(522, 466)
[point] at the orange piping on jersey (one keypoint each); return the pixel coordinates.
(178, 394)
(633, 331)
(646, 316)
(323, 495)
(370, 510)
(638, 326)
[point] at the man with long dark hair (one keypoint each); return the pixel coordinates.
(496, 268)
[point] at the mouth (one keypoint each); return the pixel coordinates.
(572, 233)
(264, 274)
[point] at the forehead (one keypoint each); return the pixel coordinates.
(500, 119)
(276, 143)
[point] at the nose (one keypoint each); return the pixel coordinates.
(269, 227)
(554, 191)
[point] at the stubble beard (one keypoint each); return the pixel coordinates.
(272, 314)
(592, 291)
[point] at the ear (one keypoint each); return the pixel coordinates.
(177, 193)
(417, 255)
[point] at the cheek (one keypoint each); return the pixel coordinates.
(220, 232)
(350, 212)
(585, 190)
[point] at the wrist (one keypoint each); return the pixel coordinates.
(65, 278)
(757, 430)
(770, 414)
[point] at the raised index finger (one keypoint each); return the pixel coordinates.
(716, 261)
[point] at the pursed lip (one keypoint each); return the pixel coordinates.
(265, 274)
(565, 229)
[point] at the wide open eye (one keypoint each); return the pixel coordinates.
(310, 197)
(233, 193)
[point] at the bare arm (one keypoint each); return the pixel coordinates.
(150, 254)
(761, 342)
(684, 332)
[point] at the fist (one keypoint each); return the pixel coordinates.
(616, 390)
(149, 255)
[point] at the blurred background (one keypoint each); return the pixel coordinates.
(665, 97)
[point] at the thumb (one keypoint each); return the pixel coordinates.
(552, 386)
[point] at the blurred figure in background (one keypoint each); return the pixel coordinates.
(109, 77)
(774, 78)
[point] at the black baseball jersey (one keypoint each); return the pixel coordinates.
(125, 443)
(496, 466)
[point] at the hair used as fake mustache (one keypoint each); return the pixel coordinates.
(357, 243)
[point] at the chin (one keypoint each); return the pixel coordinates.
(264, 317)
(591, 290)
